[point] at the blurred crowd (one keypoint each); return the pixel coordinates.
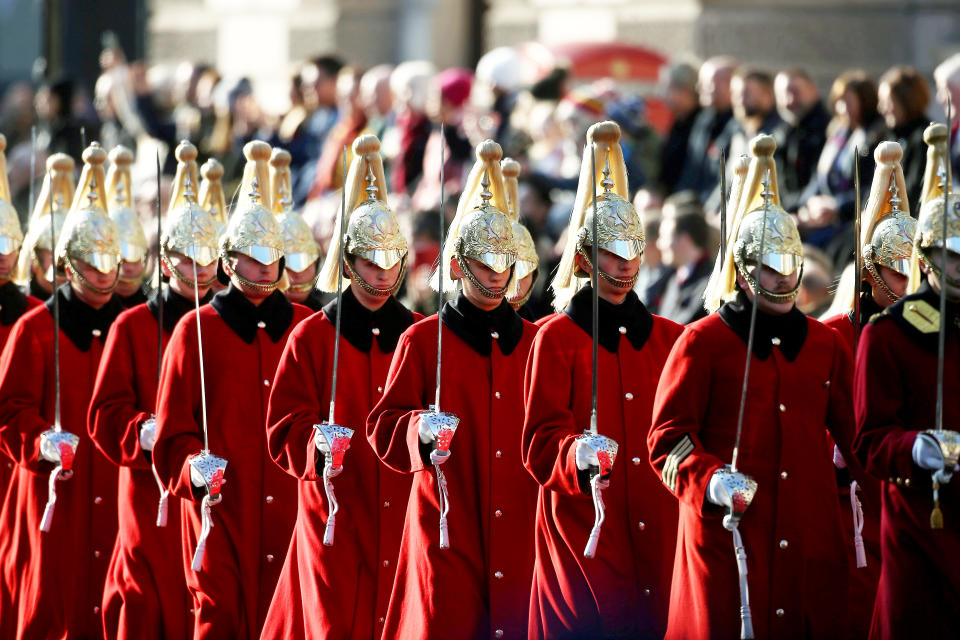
(717, 106)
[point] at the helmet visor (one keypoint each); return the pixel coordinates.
(499, 262)
(383, 258)
(525, 268)
(200, 254)
(132, 252)
(626, 249)
(9, 245)
(260, 253)
(900, 265)
(102, 262)
(298, 262)
(783, 263)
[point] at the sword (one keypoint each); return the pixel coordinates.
(33, 164)
(442, 424)
(604, 448)
(56, 439)
(723, 204)
(334, 436)
(210, 467)
(162, 508)
(857, 258)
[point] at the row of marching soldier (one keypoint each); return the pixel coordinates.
(777, 476)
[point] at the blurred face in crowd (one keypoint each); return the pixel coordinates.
(895, 280)
(300, 277)
(613, 265)
(676, 249)
(750, 98)
(714, 86)
(680, 100)
(814, 291)
(487, 277)
(131, 277)
(348, 92)
(247, 267)
(848, 106)
(949, 89)
(184, 265)
(795, 95)
(319, 87)
(375, 91)
(773, 281)
(952, 271)
(94, 277)
(8, 261)
(376, 277)
(40, 268)
(47, 103)
(892, 111)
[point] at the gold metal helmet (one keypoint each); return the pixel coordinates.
(300, 250)
(133, 241)
(759, 218)
(528, 261)
(481, 230)
(253, 229)
(11, 235)
(56, 194)
(887, 230)
(373, 231)
(211, 196)
(190, 230)
(929, 235)
(88, 232)
(619, 229)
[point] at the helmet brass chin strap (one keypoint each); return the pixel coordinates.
(310, 284)
(249, 284)
(519, 301)
(486, 291)
(772, 296)
(620, 283)
(182, 278)
(878, 280)
(72, 268)
(925, 259)
(369, 288)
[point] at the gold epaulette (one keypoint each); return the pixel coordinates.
(922, 316)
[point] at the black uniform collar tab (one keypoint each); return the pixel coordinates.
(787, 331)
(629, 318)
(868, 308)
(175, 306)
(137, 297)
(314, 301)
(245, 318)
(476, 327)
(80, 322)
(35, 290)
(360, 325)
(13, 302)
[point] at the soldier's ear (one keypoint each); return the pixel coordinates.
(581, 263)
(456, 273)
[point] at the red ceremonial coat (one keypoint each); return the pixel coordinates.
(52, 582)
(13, 304)
(624, 590)
(254, 519)
(145, 595)
(863, 581)
(792, 531)
(480, 586)
(345, 587)
(895, 391)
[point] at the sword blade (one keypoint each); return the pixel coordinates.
(440, 273)
(159, 280)
(596, 296)
(336, 336)
(723, 204)
(857, 258)
(56, 316)
(942, 337)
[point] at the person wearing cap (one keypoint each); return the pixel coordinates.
(13, 301)
(347, 584)
(623, 590)
(887, 232)
(133, 242)
(52, 580)
(35, 272)
(244, 330)
(896, 394)
(301, 253)
(479, 587)
(798, 390)
(145, 595)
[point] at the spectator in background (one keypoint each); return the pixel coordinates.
(815, 296)
(377, 99)
(318, 83)
(445, 104)
(653, 275)
(679, 82)
(903, 97)
(829, 198)
(801, 135)
(499, 78)
(291, 133)
(947, 77)
(406, 142)
(754, 112)
(351, 122)
(641, 146)
(701, 170)
(57, 130)
(684, 244)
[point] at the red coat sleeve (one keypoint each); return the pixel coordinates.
(679, 410)
(295, 406)
(392, 427)
(549, 429)
(22, 378)
(114, 418)
(179, 418)
(883, 444)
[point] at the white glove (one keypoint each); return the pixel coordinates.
(928, 455)
(197, 478)
(437, 457)
(48, 451)
(838, 460)
(717, 492)
(148, 434)
(324, 447)
(586, 456)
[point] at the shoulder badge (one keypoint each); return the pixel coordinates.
(878, 316)
(922, 316)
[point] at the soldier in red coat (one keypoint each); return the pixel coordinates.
(145, 594)
(799, 388)
(895, 393)
(13, 302)
(54, 559)
(623, 590)
(478, 587)
(887, 241)
(342, 591)
(242, 539)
